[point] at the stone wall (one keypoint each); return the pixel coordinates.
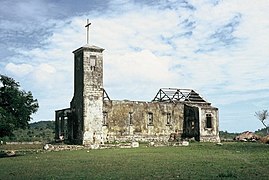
(126, 121)
(93, 96)
(209, 124)
(141, 120)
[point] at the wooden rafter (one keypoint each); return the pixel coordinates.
(175, 95)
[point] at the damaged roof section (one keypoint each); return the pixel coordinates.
(105, 95)
(178, 95)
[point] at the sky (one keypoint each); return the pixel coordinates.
(219, 48)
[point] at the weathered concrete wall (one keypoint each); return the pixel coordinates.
(142, 121)
(166, 118)
(87, 102)
(209, 133)
(189, 120)
(93, 96)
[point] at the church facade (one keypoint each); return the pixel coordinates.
(93, 118)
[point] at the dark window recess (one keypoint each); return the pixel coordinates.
(130, 118)
(169, 117)
(150, 118)
(208, 120)
(104, 118)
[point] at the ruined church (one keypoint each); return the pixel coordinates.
(94, 118)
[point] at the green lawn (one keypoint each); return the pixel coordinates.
(197, 161)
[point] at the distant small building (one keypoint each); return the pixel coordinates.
(94, 118)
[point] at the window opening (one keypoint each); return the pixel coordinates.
(169, 117)
(104, 118)
(150, 118)
(92, 62)
(130, 118)
(208, 120)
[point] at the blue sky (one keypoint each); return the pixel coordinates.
(218, 48)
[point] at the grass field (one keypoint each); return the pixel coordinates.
(197, 161)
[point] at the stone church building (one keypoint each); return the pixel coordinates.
(93, 118)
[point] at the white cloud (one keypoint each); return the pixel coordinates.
(19, 69)
(46, 68)
(145, 66)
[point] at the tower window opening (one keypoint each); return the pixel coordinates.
(92, 63)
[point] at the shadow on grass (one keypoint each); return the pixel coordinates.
(7, 155)
(228, 174)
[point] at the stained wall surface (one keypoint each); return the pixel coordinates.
(87, 102)
(209, 124)
(141, 120)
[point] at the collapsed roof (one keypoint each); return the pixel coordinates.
(178, 95)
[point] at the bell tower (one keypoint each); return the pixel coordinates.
(87, 102)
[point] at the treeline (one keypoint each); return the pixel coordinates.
(261, 132)
(224, 135)
(42, 131)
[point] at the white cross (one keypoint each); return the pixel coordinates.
(87, 26)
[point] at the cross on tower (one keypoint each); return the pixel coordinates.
(88, 27)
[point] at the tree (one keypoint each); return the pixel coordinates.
(16, 106)
(263, 116)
